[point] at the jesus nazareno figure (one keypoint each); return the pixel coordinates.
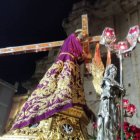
(60, 88)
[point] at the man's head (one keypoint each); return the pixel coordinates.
(80, 35)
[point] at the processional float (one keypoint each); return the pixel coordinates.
(69, 125)
(107, 39)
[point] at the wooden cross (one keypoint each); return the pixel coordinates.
(47, 46)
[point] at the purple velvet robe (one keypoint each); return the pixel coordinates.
(59, 89)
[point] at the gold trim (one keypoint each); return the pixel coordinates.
(67, 54)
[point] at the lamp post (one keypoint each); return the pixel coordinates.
(121, 104)
(122, 48)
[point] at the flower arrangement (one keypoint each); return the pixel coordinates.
(131, 132)
(129, 109)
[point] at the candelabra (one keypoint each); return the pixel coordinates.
(121, 48)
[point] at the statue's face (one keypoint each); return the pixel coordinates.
(82, 36)
(113, 71)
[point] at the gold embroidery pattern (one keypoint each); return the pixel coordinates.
(60, 86)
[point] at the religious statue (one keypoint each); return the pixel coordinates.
(55, 109)
(108, 116)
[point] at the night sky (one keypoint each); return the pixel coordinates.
(25, 22)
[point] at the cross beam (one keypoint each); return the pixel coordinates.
(48, 45)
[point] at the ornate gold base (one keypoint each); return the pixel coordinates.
(67, 125)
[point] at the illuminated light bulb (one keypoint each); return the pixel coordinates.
(108, 34)
(108, 37)
(122, 45)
